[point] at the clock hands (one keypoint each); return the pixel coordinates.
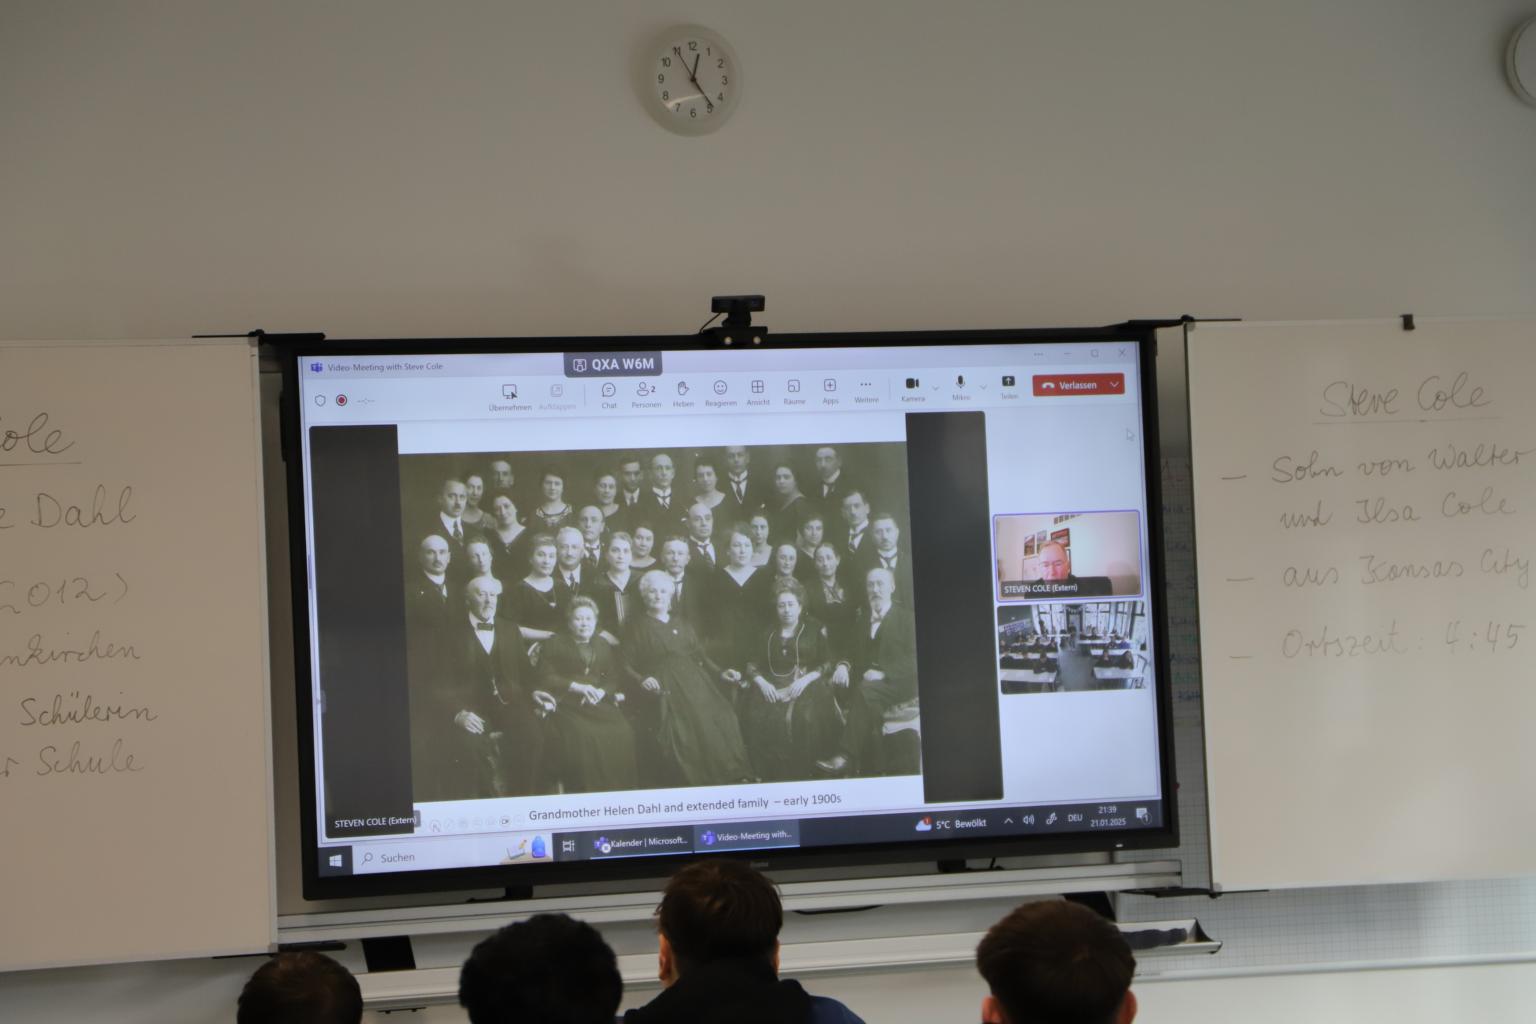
(693, 76)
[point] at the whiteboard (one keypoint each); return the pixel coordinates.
(1365, 513)
(134, 778)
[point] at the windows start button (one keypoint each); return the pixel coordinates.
(1049, 384)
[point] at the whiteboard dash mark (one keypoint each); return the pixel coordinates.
(1240, 579)
(15, 465)
(1240, 476)
(1240, 657)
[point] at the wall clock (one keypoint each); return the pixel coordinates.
(693, 80)
(1520, 62)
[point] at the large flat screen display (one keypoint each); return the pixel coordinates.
(574, 608)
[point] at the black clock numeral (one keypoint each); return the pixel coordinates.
(676, 107)
(724, 80)
(665, 96)
(720, 97)
(677, 51)
(661, 79)
(720, 63)
(693, 111)
(693, 45)
(666, 62)
(708, 52)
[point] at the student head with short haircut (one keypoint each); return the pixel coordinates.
(717, 909)
(549, 969)
(1059, 962)
(718, 958)
(300, 988)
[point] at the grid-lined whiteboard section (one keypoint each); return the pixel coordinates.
(1302, 929)
(135, 819)
(1365, 502)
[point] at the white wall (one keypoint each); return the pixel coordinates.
(395, 167)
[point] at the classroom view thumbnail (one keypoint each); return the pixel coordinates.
(1061, 648)
(1061, 556)
(600, 620)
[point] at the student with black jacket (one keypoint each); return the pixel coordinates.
(718, 927)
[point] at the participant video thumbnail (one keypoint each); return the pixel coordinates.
(1059, 648)
(603, 620)
(1068, 555)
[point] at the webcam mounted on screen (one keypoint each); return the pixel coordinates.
(736, 329)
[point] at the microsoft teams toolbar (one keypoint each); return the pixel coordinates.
(341, 390)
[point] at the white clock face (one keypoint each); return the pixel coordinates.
(696, 81)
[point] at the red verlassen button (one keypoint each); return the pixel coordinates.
(1079, 383)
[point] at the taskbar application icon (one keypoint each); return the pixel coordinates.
(607, 844)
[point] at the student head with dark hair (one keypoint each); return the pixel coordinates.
(1056, 961)
(300, 988)
(716, 910)
(718, 932)
(549, 969)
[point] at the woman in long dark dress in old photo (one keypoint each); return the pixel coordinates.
(696, 731)
(828, 599)
(535, 599)
(787, 505)
(741, 600)
(791, 717)
(617, 595)
(605, 488)
(508, 538)
(808, 538)
(706, 484)
(474, 516)
(597, 747)
(758, 529)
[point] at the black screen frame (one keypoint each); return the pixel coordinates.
(291, 350)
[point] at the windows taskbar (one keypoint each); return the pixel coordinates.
(989, 823)
(396, 853)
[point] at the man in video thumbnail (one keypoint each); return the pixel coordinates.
(1056, 567)
(1067, 555)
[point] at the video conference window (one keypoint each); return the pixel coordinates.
(1064, 648)
(562, 612)
(596, 621)
(1069, 555)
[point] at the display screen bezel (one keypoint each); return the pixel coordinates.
(293, 350)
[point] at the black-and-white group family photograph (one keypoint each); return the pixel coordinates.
(592, 621)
